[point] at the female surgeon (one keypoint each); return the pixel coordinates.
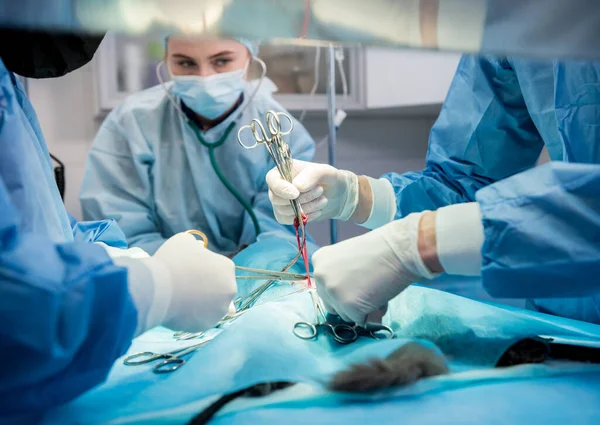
(480, 206)
(67, 310)
(168, 158)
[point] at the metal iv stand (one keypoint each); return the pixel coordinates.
(331, 125)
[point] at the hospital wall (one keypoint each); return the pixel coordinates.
(369, 143)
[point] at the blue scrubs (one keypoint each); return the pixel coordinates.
(148, 171)
(65, 310)
(542, 225)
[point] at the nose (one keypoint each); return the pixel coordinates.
(206, 71)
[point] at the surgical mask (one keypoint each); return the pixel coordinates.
(210, 96)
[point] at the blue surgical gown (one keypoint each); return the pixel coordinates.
(541, 224)
(149, 172)
(65, 310)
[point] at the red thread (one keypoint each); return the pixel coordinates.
(302, 246)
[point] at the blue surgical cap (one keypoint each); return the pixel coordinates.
(252, 46)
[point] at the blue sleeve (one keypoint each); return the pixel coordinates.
(542, 232)
(106, 231)
(66, 316)
(117, 185)
(484, 134)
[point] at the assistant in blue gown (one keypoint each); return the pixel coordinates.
(65, 310)
(148, 170)
(542, 224)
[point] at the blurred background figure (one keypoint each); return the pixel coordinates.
(167, 159)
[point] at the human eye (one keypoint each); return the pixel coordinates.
(221, 62)
(186, 63)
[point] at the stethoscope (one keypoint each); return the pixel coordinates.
(211, 146)
(213, 160)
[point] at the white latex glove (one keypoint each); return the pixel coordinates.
(323, 191)
(183, 286)
(113, 252)
(357, 277)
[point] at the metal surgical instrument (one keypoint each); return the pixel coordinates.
(180, 335)
(259, 274)
(269, 274)
(172, 360)
(342, 332)
(282, 156)
(277, 147)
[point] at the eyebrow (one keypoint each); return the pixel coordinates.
(180, 56)
(215, 56)
(224, 53)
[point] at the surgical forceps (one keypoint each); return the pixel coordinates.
(259, 273)
(173, 359)
(279, 151)
(342, 332)
(281, 154)
(272, 275)
(243, 304)
(269, 274)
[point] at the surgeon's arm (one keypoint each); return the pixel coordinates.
(539, 233)
(117, 185)
(542, 232)
(484, 134)
(533, 235)
(66, 316)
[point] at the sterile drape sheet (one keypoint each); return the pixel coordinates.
(260, 347)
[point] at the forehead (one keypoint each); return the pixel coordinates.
(203, 47)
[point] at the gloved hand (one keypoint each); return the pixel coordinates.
(323, 191)
(189, 287)
(357, 277)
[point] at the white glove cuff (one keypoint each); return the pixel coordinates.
(459, 233)
(351, 201)
(403, 237)
(119, 252)
(467, 36)
(384, 203)
(149, 284)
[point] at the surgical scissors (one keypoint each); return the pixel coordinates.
(173, 359)
(280, 152)
(342, 332)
